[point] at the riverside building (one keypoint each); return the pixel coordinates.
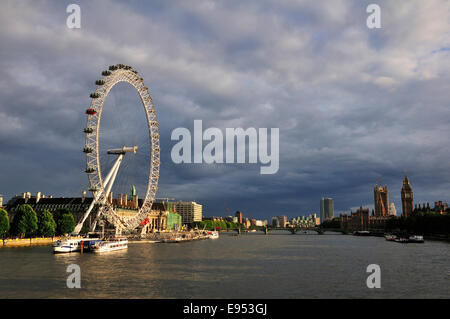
(283, 221)
(238, 215)
(305, 221)
(326, 209)
(275, 222)
(362, 220)
(190, 212)
(124, 206)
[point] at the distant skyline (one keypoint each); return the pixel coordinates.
(352, 104)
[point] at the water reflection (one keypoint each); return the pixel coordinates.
(246, 266)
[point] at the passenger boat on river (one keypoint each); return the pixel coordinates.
(113, 244)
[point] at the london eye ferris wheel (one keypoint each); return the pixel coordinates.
(101, 183)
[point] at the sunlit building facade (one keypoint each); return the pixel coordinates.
(190, 212)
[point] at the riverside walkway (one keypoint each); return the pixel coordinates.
(24, 242)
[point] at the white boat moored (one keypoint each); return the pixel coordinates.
(67, 245)
(416, 239)
(116, 243)
(213, 234)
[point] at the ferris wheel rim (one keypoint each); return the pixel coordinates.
(116, 74)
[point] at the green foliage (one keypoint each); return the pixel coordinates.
(46, 224)
(223, 225)
(25, 221)
(59, 213)
(65, 224)
(333, 223)
(4, 223)
(431, 223)
(84, 230)
(210, 225)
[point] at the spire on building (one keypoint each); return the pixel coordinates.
(132, 191)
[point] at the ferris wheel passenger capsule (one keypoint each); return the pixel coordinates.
(91, 111)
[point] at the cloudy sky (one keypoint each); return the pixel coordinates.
(353, 105)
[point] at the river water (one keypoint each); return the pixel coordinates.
(279, 265)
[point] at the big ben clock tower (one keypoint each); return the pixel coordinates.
(407, 198)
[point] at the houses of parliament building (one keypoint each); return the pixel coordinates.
(363, 220)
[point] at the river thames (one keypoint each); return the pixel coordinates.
(279, 265)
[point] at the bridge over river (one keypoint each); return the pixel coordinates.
(319, 230)
(295, 230)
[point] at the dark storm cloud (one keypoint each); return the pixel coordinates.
(352, 104)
